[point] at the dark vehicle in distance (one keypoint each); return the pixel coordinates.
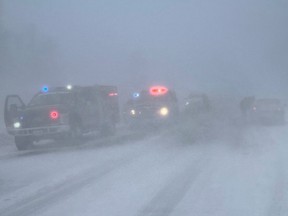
(267, 111)
(197, 104)
(62, 113)
(154, 107)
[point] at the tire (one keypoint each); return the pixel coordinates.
(23, 143)
(75, 135)
(108, 129)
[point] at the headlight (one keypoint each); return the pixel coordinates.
(17, 125)
(164, 111)
(132, 112)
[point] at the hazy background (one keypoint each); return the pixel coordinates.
(216, 46)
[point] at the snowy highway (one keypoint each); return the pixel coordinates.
(152, 175)
(143, 108)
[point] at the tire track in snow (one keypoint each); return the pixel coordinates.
(279, 202)
(56, 148)
(165, 201)
(47, 196)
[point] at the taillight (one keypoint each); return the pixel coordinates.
(54, 115)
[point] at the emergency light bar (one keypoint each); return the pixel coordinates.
(136, 94)
(158, 90)
(113, 94)
(45, 89)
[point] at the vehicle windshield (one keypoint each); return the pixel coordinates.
(147, 98)
(51, 99)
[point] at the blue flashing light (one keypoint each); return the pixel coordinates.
(45, 89)
(136, 95)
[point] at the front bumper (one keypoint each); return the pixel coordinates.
(40, 131)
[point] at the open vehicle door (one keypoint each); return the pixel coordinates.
(13, 104)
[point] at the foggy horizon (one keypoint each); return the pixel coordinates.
(225, 47)
(198, 125)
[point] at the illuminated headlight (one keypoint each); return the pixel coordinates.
(69, 87)
(17, 125)
(164, 111)
(132, 112)
(187, 103)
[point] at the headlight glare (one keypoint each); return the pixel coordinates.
(164, 111)
(132, 112)
(17, 125)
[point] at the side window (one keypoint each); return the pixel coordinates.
(82, 98)
(87, 98)
(68, 99)
(15, 103)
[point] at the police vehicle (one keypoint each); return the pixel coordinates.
(62, 113)
(156, 106)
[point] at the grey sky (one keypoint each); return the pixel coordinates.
(224, 46)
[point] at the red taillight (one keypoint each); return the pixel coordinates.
(54, 114)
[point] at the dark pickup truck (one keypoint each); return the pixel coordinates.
(62, 113)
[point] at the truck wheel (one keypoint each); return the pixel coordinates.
(75, 134)
(23, 143)
(108, 129)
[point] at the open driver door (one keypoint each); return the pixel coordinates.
(13, 104)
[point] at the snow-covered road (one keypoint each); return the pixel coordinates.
(157, 175)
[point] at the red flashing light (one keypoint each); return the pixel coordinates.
(54, 115)
(158, 90)
(113, 94)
